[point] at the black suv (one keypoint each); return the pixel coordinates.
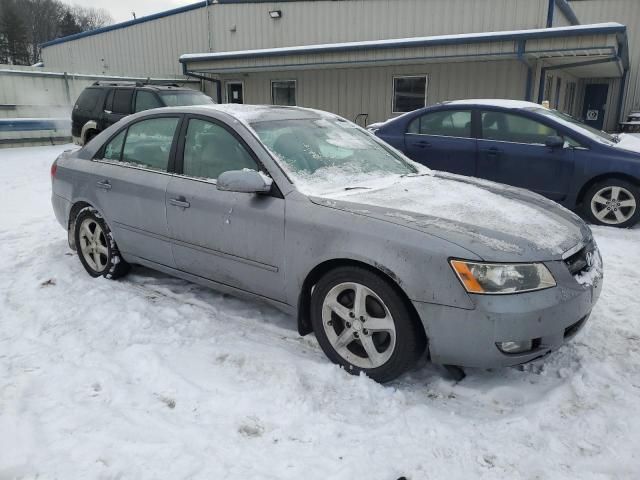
(104, 103)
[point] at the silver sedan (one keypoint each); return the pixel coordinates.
(381, 258)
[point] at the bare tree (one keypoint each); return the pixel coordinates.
(90, 18)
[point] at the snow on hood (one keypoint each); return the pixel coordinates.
(628, 142)
(496, 222)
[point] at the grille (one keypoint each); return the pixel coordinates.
(578, 263)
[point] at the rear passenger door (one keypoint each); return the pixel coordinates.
(443, 140)
(131, 181)
(512, 150)
(118, 105)
(236, 239)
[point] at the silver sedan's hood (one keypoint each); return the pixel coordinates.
(494, 221)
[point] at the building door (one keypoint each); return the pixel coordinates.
(595, 100)
(235, 93)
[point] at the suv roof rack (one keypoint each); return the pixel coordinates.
(115, 83)
(148, 83)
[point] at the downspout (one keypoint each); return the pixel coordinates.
(621, 95)
(217, 81)
(523, 60)
(550, 11)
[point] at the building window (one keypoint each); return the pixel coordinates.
(283, 92)
(569, 97)
(409, 93)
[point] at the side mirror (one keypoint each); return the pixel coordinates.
(554, 141)
(244, 181)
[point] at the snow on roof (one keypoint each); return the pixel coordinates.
(609, 27)
(495, 102)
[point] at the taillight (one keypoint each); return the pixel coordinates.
(54, 168)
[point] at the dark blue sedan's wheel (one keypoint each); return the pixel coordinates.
(613, 202)
(363, 324)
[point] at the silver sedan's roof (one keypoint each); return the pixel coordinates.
(252, 113)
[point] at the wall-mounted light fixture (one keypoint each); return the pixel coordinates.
(275, 13)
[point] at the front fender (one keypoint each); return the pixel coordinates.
(417, 262)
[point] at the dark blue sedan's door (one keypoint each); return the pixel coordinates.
(442, 140)
(512, 150)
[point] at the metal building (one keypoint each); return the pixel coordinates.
(372, 59)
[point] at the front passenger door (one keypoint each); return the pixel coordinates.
(443, 140)
(512, 150)
(236, 239)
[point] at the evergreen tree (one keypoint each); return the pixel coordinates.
(69, 24)
(14, 33)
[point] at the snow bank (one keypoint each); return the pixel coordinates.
(152, 377)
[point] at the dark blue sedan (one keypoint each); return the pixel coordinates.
(526, 145)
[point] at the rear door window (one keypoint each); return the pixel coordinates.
(446, 123)
(113, 150)
(508, 127)
(148, 143)
(122, 101)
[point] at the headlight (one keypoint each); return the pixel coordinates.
(494, 278)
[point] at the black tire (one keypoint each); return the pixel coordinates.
(91, 134)
(410, 339)
(603, 190)
(109, 264)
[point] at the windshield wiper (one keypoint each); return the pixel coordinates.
(356, 188)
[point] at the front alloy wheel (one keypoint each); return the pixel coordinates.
(358, 325)
(614, 203)
(364, 324)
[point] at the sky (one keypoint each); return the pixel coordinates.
(121, 10)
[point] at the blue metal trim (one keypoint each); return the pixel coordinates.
(411, 43)
(32, 124)
(128, 23)
(568, 11)
(622, 95)
(550, 11)
(510, 55)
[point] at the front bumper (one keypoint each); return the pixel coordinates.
(549, 318)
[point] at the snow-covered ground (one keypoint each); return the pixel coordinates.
(152, 377)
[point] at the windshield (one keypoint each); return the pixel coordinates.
(184, 99)
(576, 124)
(330, 154)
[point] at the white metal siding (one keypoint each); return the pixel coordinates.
(152, 48)
(351, 91)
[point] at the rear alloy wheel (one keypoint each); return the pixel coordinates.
(97, 250)
(613, 202)
(363, 324)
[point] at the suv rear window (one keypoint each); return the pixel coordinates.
(122, 100)
(88, 99)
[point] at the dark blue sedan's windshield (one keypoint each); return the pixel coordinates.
(330, 152)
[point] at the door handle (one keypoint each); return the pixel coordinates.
(105, 185)
(179, 202)
(422, 144)
(493, 151)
